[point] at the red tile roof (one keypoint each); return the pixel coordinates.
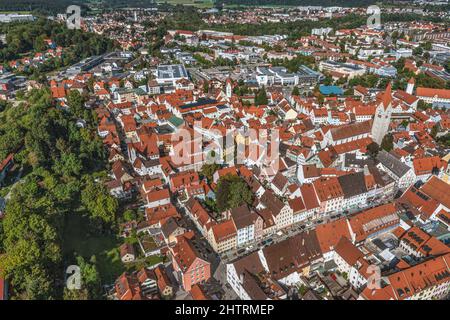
(6, 161)
(330, 233)
(430, 92)
(372, 220)
(224, 230)
(438, 190)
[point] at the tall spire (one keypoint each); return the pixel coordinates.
(387, 96)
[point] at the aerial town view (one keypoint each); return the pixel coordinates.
(224, 150)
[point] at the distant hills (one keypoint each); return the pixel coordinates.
(325, 3)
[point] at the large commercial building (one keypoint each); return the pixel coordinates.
(170, 74)
(267, 76)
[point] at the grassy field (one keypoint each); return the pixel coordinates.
(79, 238)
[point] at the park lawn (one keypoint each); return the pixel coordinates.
(145, 263)
(80, 238)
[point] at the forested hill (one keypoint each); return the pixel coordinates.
(27, 38)
(42, 6)
(325, 3)
(60, 6)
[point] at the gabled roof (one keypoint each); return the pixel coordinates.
(438, 190)
(351, 130)
(348, 251)
(280, 181)
(309, 196)
(367, 222)
(224, 230)
(274, 204)
(185, 254)
(431, 93)
(243, 216)
(353, 184)
(415, 279)
(330, 233)
(6, 161)
(392, 163)
(291, 255)
(297, 205)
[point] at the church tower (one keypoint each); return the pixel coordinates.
(228, 88)
(410, 86)
(382, 118)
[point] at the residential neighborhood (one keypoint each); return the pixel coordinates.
(205, 164)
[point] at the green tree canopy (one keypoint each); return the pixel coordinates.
(261, 97)
(373, 149)
(232, 191)
(100, 204)
(208, 170)
(387, 143)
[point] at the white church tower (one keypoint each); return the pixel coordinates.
(228, 88)
(382, 118)
(410, 86)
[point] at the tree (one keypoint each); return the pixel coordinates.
(387, 143)
(69, 165)
(129, 215)
(418, 51)
(445, 140)
(320, 98)
(427, 45)
(295, 91)
(232, 192)
(434, 131)
(424, 80)
(422, 105)
(372, 150)
(76, 103)
(208, 170)
(3, 105)
(206, 87)
(30, 241)
(59, 158)
(90, 281)
(100, 204)
(261, 97)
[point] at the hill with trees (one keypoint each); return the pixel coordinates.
(28, 37)
(63, 166)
